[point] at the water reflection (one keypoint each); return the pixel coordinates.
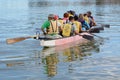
(51, 57)
(14, 64)
(51, 62)
(47, 3)
(102, 2)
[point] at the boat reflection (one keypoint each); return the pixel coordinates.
(52, 56)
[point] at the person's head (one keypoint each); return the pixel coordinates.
(89, 13)
(66, 15)
(56, 17)
(50, 16)
(71, 18)
(84, 14)
(76, 17)
(81, 16)
(71, 13)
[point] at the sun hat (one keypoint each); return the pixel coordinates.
(51, 15)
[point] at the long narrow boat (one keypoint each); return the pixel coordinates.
(82, 38)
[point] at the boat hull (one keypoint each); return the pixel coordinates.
(68, 40)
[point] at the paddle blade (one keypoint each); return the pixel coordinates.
(105, 25)
(94, 30)
(14, 40)
(88, 37)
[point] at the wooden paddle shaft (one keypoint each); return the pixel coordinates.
(14, 40)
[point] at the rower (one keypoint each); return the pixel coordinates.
(71, 13)
(92, 21)
(59, 20)
(78, 24)
(85, 25)
(69, 28)
(51, 27)
(65, 18)
(86, 18)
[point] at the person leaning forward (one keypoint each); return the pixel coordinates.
(50, 27)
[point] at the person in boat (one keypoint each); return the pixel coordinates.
(86, 18)
(85, 25)
(69, 28)
(59, 20)
(78, 24)
(91, 19)
(56, 17)
(71, 13)
(65, 18)
(50, 28)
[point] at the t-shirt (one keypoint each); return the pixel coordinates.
(46, 24)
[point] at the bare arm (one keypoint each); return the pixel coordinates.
(43, 31)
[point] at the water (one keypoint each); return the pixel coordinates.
(27, 60)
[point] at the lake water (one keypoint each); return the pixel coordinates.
(27, 60)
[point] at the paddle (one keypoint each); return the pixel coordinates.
(105, 25)
(97, 36)
(88, 37)
(94, 30)
(18, 39)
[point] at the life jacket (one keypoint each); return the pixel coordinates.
(61, 27)
(85, 25)
(86, 19)
(53, 29)
(78, 26)
(61, 22)
(66, 30)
